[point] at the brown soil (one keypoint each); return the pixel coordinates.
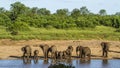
(10, 49)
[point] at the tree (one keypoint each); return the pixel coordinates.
(34, 10)
(43, 11)
(102, 12)
(16, 9)
(62, 12)
(75, 13)
(117, 13)
(2, 10)
(4, 20)
(84, 10)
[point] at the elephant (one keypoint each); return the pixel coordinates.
(64, 55)
(69, 51)
(79, 51)
(26, 54)
(85, 52)
(45, 49)
(105, 49)
(60, 55)
(53, 50)
(57, 54)
(70, 47)
(36, 52)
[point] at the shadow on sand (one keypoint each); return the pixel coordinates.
(95, 56)
(20, 57)
(114, 51)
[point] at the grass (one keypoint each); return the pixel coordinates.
(100, 32)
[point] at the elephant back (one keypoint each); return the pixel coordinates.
(105, 46)
(53, 48)
(28, 49)
(86, 50)
(44, 47)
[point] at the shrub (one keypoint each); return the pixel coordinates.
(117, 30)
(18, 26)
(61, 66)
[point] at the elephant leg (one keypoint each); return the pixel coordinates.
(28, 59)
(84, 56)
(77, 54)
(103, 54)
(54, 56)
(35, 59)
(46, 55)
(24, 59)
(80, 54)
(89, 56)
(106, 55)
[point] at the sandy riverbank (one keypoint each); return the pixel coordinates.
(10, 49)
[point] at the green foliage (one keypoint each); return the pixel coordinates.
(118, 30)
(61, 66)
(21, 18)
(99, 33)
(4, 20)
(18, 26)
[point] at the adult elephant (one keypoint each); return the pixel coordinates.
(26, 54)
(105, 49)
(53, 50)
(86, 52)
(79, 51)
(45, 49)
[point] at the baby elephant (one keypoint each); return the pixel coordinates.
(105, 49)
(36, 58)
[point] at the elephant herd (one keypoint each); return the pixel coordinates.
(81, 52)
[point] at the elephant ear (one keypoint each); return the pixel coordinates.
(107, 45)
(41, 45)
(102, 44)
(23, 49)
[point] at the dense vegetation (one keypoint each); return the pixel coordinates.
(22, 22)
(61, 66)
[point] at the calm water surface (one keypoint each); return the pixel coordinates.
(77, 63)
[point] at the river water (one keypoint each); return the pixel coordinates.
(114, 63)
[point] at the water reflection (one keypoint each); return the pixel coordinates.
(105, 61)
(45, 62)
(82, 61)
(77, 63)
(69, 61)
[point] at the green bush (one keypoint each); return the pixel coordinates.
(61, 66)
(18, 26)
(118, 30)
